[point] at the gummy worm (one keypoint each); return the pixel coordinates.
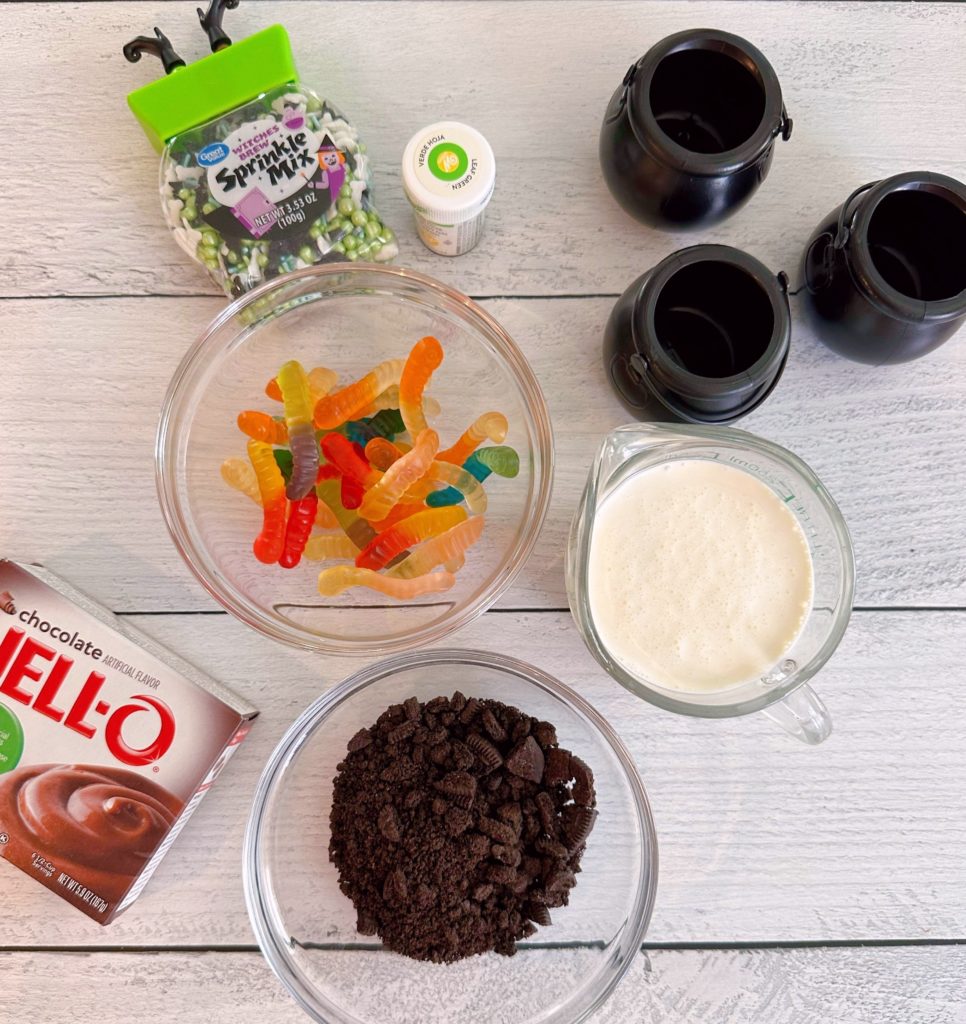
(425, 357)
(294, 386)
(337, 578)
(321, 382)
(439, 550)
(500, 459)
(403, 510)
(382, 453)
(301, 519)
(341, 453)
(261, 427)
(269, 543)
(464, 482)
(401, 475)
(356, 529)
(491, 425)
(352, 492)
(333, 410)
(325, 518)
(384, 547)
(330, 545)
(239, 474)
(386, 423)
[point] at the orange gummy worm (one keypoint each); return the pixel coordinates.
(384, 547)
(425, 357)
(403, 510)
(337, 578)
(333, 410)
(441, 549)
(382, 453)
(325, 517)
(492, 425)
(261, 427)
(399, 477)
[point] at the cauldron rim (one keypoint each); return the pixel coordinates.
(651, 136)
(862, 266)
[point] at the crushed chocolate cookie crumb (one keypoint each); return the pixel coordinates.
(457, 825)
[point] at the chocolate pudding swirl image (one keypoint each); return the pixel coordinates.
(95, 823)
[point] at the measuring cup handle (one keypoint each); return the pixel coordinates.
(802, 714)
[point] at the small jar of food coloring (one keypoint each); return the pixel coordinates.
(448, 174)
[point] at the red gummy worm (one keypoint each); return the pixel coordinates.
(344, 455)
(352, 492)
(270, 542)
(300, 522)
(384, 547)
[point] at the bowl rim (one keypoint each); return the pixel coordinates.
(208, 574)
(274, 947)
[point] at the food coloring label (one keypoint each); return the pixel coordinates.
(270, 177)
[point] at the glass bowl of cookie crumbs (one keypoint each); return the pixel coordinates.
(450, 836)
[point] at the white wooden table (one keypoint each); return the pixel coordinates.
(797, 885)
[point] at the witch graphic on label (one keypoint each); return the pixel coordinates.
(332, 162)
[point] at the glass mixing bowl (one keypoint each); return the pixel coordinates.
(348, 317)
(306, 927)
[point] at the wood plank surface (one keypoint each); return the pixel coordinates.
(761, 838)
(917, 985)
(870, 94)
(85, 379)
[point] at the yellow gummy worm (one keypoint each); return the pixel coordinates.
(321, 381)
(294, 385)
(239, 474)
(492, 425)
(445, 548)
(333, 410)
(400, 476)
(329, 545)
(337, 578)
(271, 484)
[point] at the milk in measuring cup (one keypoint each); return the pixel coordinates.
(700, 578)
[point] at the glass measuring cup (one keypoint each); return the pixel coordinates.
(782, 692)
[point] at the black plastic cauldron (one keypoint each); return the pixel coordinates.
(703, 335)
(885, 273)
(689, 134)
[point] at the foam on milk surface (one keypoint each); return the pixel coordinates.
(700, 577)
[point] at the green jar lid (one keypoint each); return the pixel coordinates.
(210, 87)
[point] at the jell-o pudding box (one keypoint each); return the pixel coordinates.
(108, 742)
